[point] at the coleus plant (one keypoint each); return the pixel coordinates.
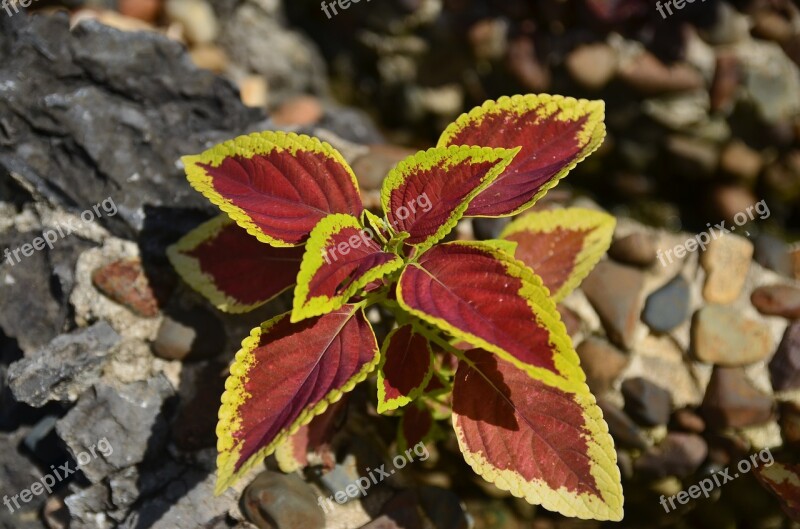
(478, 335)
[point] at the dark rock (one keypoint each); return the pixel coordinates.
(790, 424)
(771, 252)
(351, 124)
(132, 418)
(646, 402)
(686, 420)
(667, 307)
(277, 501)
(615, 292)
(784, 368)
(125, 282)
(731, 401)
(637, 249)
(404, 509)
(26, 288)
(65, 368)
(196, 420)
(571, 320)
(621, 427)
(720, 335)
(486, 228)
(16, 474)
(190, 334)
(602, 363)
(95, 114)
(777, 300)
(443, 508)
(679, 454)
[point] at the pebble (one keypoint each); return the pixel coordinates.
(525, 65)
(486, 228)
(726, 81)
(667, 307)
(731, 401)
(722, 336)
(615, 292)
(648, 75)
(146, 10)
(726, 262)
(125, 282)
(784, 368)
(741, 161)
(188, 335)
(372, 167)
(571, 320)
(197, 18)
(687, 420)
(209, 57)
(679, 454)
(621, 427)
(254, 91)
(277, 501)
(790, 423)
(771, 252)
(727, 200)
(692, 157)
(602, 362)
(637, 249)
(646, 402)
(592, 65)
(777, 300)
(300, 110)
(443, 508)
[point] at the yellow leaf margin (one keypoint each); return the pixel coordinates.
(595, 244)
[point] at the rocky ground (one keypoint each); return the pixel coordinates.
(695, 360)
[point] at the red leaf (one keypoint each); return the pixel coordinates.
(484, 297)
(783, 480)
(231, 268)
(426, 194)
(554, 132)
(276, 185)
(284, 375)
(416, 426)
(548, 446)
(406, 368)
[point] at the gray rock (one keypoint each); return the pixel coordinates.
(132, 418)
(771, 252)
(667, 307)
(65, 368)
(621, 427)
(646, 402)
(277, 501)
(679, 454)
(95, 114)
(16, 474)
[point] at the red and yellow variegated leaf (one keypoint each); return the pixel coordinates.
(561, 246)
(341, 258)
(276, 185)
(554, 132)
(426, 194)
(313, 438)
(783, 480)
(231, 268)
(405, 369)
(285, 375)
(540, 443)
(416, 426)
(485, 297)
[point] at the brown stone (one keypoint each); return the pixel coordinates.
(372, 167)
(592, 65)
(688, 421)
(731, 401)
(616, 293)
(722, 336)
(725, 85)
(602, 362)
(300, 110)
(637, 249)
(648, 75)
(147, 10)
(741, 162)
(726, 262)
(777, 300)
(784, 367)
(125, 282)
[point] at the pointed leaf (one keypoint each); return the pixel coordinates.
(490, 300)
(416, 426)
(405, 370)
(284, 375)
(554, 132)
(540, 443)
(426, 194)
(231, 268)
(276, 185)
(783, 480)
(341, 258)
(561, 246)
(313, 438)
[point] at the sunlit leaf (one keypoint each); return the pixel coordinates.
(783, 480)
